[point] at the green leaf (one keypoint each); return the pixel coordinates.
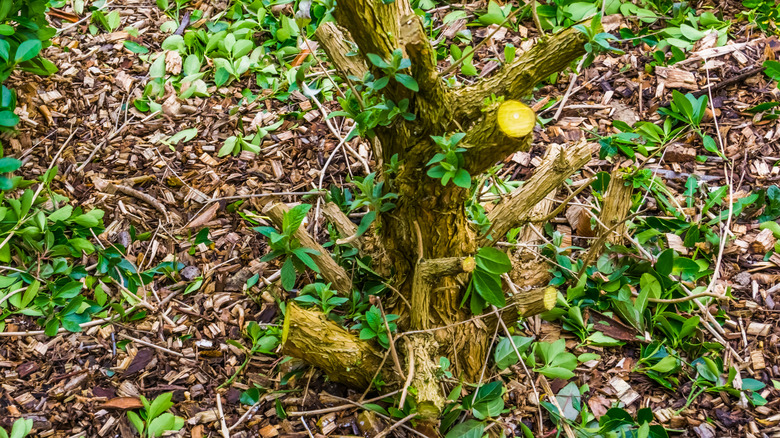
(377, 60)
(135, 47)
(5, 50)
(242, 48)
(21, 428)
(294, 217)
(8, 119)
(303, 255)
(488, 402)
(174, 43)
(191, 65)
(288, 274)
(374, 319)
(8, 164)
(365, 222)
(493, 260)
(772, 69)
(488, 286)
(114, 20)
(408, 82)
(467, 429)
(160, 404)
(752, 385)
(691, 33)
(556, 372)
(161, 424)
(228, 147)
(136, 421)
(505, 355)
(462, 179)
(665, 365)
(27, 50)
(710, 145)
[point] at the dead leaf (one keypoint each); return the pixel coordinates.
(204, 217)
(140, 361)
(123, 403)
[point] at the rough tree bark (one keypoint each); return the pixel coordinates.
(427, 237)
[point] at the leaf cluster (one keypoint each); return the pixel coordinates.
(284, 245)
(485, 285)
(154, 420)
(372, 326)
(24, 33)
(449, 163)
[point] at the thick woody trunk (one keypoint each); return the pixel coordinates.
(427, 238)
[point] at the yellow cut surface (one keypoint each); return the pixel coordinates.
(515, 119)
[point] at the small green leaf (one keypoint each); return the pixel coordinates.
(408, 82)
(772, 69)
(467, 429)
(27, 50)
(462, 179)
(135, 47)
(8, 164)
(288, 274)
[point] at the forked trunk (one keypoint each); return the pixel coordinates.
(427, 237)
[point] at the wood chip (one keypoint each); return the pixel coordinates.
(757, 358)
(625, 393)
(763, 242)
(677, 78)
(758, 329)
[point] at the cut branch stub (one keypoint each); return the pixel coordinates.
(515, 119)
(617, 204)
(505, 128)
(514, 209)
(331, 271)
(425, 274)
(343, 356)
(550, 55)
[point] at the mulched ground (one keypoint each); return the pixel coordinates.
(64, 383)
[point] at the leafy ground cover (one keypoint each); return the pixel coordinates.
(137, 266)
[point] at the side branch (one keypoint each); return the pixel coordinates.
(308, 335)
(548, 56)
(426, 273)
(346, 228)
(515, 208)
(329, 269)
(335, 43)
(380, 28)
(497, 135)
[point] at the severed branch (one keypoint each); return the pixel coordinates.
(550, 55)
(334, 41)
(617, 204)
(345, 227)
(504, 129)
(516, 208)
(329, 269)
(426, 273)
(343, 356)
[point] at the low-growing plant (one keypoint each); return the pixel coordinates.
(24, 33)
(20, 429)
(322, 295)
(285, 245)
(154, 420)
(372, 326)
